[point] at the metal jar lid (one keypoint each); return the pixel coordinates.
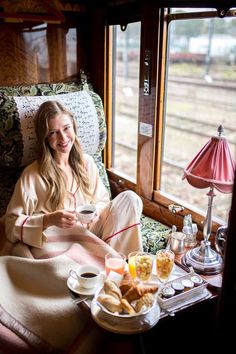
(177, 286)
(188, 284)
(196, 280)
(168, 291)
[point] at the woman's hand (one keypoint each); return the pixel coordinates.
(60, 218)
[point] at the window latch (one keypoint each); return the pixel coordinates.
(146, 83)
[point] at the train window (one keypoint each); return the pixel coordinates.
(126, 57)
(200, 95)
(42, 42)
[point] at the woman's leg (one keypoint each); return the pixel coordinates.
(119, 223)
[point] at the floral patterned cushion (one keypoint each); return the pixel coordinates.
(154, 234)
(42, 89)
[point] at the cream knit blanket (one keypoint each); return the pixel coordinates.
(34, 299)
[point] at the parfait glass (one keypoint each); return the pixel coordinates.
(143, 266)
(164, 264)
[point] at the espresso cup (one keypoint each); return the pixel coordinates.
(86, 213)
(88, 276)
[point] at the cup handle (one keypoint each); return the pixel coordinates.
(73, 274)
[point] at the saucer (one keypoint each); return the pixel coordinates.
(74, 286)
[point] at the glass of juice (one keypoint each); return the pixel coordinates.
(115, 262)
(164, 264)
(131, 262)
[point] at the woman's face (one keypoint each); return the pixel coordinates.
(61, 134)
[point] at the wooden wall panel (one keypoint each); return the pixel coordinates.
(30, 56)
(56, 41)
(18, 64)
(96, 47)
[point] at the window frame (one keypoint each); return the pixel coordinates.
(158, 195)
(154, 36)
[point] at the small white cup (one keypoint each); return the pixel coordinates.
(86, 213)
(88, 276)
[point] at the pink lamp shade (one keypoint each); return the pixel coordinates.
(213, 166)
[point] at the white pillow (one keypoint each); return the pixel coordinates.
(79, 103)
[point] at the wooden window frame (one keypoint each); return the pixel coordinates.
(154, 27)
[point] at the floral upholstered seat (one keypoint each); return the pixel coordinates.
(18, 145)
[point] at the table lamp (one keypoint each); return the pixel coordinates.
(213, 167)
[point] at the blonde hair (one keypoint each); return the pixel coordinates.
(52, 175)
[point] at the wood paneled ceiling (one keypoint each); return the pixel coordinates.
(50, 11)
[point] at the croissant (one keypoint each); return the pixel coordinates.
(146, 300)
(137, 291)
(111, 288)
(126, 283)
(149, 288)
(109, 302)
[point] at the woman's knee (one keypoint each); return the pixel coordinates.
(133, 199)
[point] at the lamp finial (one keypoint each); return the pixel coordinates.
(220, 130)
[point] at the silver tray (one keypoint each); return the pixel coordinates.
(179, 299)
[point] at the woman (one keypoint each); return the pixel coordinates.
(48, 193)
(42, 228)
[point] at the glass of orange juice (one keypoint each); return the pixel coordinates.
(131, 262)
(115, 262)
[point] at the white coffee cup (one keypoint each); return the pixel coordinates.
(86, 213)
(88, 276)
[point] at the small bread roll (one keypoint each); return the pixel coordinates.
(109, 302)
(126, 307)
(111, 288)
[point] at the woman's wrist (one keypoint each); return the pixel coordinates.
(46, 221)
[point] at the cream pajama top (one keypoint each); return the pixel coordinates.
(29, 203)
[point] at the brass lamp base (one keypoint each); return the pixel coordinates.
(203, 259)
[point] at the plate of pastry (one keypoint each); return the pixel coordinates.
(128, 299)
